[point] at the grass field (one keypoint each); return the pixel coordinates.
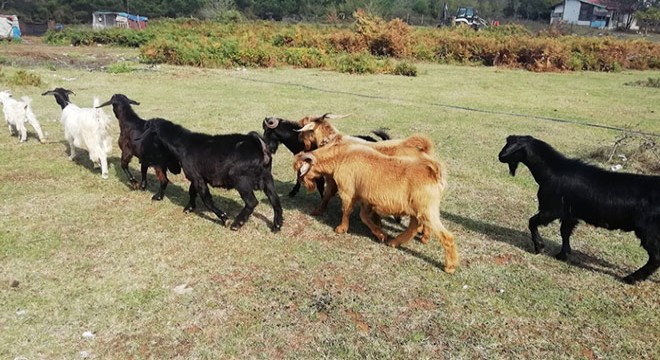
(148, 281)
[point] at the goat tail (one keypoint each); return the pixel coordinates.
(102, 118)
(420, 142)
(267, 156)
(27, 100)
(382, 134)
(28, 110)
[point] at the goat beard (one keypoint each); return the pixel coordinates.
(512, 168)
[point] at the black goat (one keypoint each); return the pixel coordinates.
(570, 190)
(135, 139)
(287, 132)
(231, 161)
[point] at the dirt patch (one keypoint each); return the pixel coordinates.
(33, 52)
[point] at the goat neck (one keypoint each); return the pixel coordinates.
(125, 113)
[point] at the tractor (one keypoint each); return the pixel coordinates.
(465, 16)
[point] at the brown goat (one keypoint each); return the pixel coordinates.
(318, 131)
(386, 185)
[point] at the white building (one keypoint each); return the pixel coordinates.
(592, 13)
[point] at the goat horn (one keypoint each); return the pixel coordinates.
(105, 104)
(307, 157)
(304, 168)
(271, 123)
(307, 127)
(334, 117)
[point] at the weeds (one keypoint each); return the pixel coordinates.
(631, 150)
(650, 82)
(119, 68)
(21, 78)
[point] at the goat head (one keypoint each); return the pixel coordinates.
(514, 151)
(119, 99)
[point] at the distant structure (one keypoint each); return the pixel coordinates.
(9, 27)
(601, 14)
(110, 19)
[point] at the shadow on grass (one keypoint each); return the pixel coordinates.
(523, 241)
(177, 194)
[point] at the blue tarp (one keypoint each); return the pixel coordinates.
(133, 17)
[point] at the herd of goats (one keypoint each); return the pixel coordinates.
(385, 177)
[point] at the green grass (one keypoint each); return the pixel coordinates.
(92, 255)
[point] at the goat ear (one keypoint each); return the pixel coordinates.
(49, 92)
(133, 102)
(308, 127)
(509, 149)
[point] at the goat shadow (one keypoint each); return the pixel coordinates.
(306, 201)
(522, 240)
(177, 194)
(82, 157)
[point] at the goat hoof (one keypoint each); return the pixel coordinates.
(561, 256)
(340, 229)
(159, 197)
(188, 209)
(630, 280)
(104, 176)
(392, 243)
(450, 269)
(276, 228)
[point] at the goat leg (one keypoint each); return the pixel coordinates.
(645, 271)
(566, 229)
(269, 190)
(542, 218)
(23, 133)
(125, 159)
(347, 209)
(329, 191)
(162, 177)
(367, 217)
(192, 196)
(405, 236)
(651, 243)
(250, 203)
(295, 190)
(143, 172)
(205, 194)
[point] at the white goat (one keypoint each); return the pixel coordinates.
(17, 112)
(85, 128)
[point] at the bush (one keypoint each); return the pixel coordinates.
(650, 82)
(21, 78)
(405, 69)
(119, 68)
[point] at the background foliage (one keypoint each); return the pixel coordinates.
(369, 45)
(78, 11)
